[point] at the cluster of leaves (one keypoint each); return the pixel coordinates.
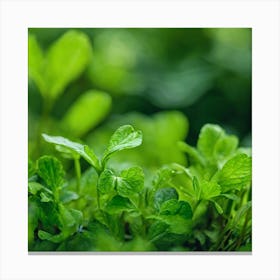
(158, 193)
(145, 70)
(204, 205)
(51, 71)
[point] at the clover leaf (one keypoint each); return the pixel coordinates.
(124, 137)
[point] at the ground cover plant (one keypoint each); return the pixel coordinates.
(104, 177)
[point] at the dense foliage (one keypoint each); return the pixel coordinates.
(204, 206)
(109, 171)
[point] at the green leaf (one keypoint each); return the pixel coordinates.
(70, 217)
(174, 125)
(245, 248)
(164, 194)
(226, 146)
(67, 219)
(169, 207)
(166, 129)
(33, 211)
(163, 176)
(236, 173)
(43, 235)
(51, 171)
(77, 215)
(180, 169)
(215, 145)
(231, 196)
(34, 187)
(119, 204)
(67, 153)
(157, 230)
(36, 63)
(193, 154)
(200, 236)
(241, 213)
(185, 210)
(208, 138)
(218, 207)
(45, 197)
(83, 150)
(131, 181)
(107, 181)
(87, 112)
(210, 190)
(177, 223)
(49, 215)
(125, 137)
(67, 196)
(65, 61)
(138, 244)
(196, 188)
(173, 207)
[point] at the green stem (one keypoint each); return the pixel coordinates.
(98, 171)
(241, 237)
(78, 174)
(224, 240)
(229, 207)
(195, 208)
(242, 196)
(56, 195)
(227, 232)
(98, 198)
(223, 236)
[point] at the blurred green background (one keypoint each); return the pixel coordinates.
(168, 82)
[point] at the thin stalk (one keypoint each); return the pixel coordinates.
(144, 227)
(242, 196)
(56, 195)
(196, 205)
(224, 240)
(98, 198)
(228, 213)
(78, 174)
(97, 191)
(243, 231)
(229, 207)
(223, 236)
